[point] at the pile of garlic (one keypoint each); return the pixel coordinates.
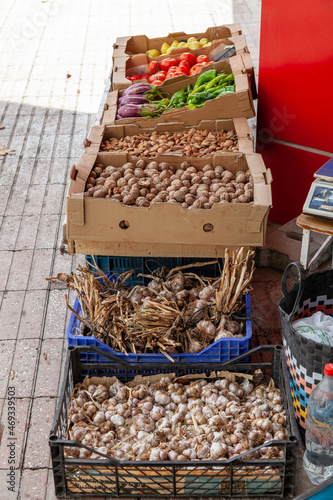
(202, 419)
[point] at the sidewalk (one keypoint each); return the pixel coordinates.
(55, 59)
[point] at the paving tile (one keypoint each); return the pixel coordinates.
(9, 480)
(53, 199)
(55, 321)
(47, 231)
(37, 124)
(40, 269)
(24, 366)
(34, 201)
(49, 368)
(6, 259)
(32, 314)
(31, 146)
(52, 123)
(20, 270)
(59, 171)
(10, 312)
(62, 264)
(42, 168)
(9, 167)
(4, 196)
(26, 237)
(22, 124)
(8, 232)
(66, 122)
(16, 143)
(33, 484)
(62, 146)
(16, 201)
(7, 348)
(47, 146)
(11, 456)
(37, 451)
(25, 172)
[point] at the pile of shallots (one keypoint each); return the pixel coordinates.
(201, 419)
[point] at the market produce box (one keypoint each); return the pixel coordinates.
(99, 226)
(263, 470)
(236, 103)
(140, 44)
(234, 135)
(127, 66)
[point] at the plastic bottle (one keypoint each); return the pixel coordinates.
(318, 457)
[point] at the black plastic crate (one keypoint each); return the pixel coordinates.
(240, 477)
(149, 265)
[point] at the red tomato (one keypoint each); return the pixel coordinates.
(202, 58)
(187, 56)
(153, 67)
(168, 62)
(152, 78)
(134, 77)
(184, 65)
(161, 75)
(157, 82)
(196, 68)
(171, 74)
(145, 76)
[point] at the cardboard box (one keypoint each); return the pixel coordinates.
(238, 125)
(139, 44)
(233, 105)
(137, 64)
(106, 227)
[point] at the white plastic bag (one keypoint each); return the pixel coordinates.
(319, 327)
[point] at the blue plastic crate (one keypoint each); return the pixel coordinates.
(218, 352)
(148, 265)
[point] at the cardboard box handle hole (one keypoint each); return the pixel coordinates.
(124, 224)
(208, 228)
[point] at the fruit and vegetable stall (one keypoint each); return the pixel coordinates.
(162, 394)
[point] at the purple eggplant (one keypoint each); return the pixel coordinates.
(137, 88)
(118, 117)
(130, 110)
(132, 99)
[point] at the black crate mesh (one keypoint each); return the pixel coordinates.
(241, 478)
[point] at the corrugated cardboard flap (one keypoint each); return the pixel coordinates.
(256, 218)
(76, 213)
(84, 165)
(96, 134)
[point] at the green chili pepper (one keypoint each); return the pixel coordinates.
(178, 98)
(206, 77)
(199, 89)
(191, 106)
(224, 90)
(215, 81)
(200, 97)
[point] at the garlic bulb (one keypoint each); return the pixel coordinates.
(203, 419)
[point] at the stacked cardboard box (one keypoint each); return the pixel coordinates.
(96, 226)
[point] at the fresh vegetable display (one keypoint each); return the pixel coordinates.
(173, 66)
(165, 418)
(142, 183)
(178, 311)
(196, 143)
(192, 43)
(209, 85)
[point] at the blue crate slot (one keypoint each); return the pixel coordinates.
(148, 265)
(218, 352)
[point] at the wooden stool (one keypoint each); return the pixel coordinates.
(310, 223)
